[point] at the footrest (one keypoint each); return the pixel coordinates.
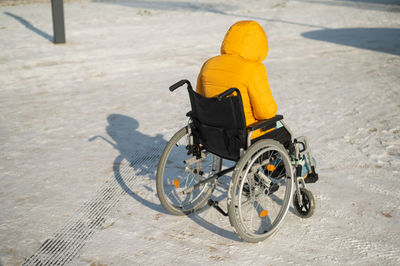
(311, 178)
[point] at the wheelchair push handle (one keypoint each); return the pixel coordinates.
(227, 93)
(180, 83)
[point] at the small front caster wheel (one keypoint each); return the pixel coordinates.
(306, 207)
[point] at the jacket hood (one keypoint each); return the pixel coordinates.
(246, 39)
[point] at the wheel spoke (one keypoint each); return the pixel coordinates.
(172, 167)
(259, 213)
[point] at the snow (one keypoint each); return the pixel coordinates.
(81, 117)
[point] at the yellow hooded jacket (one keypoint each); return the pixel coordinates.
(240, 66)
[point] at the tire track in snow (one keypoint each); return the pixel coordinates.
(68, 241)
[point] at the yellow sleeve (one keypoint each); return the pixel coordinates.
(199, 87)
(261, 100)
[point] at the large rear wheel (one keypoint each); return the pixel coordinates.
(178, 172)
(260, 191)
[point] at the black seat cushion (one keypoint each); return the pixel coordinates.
(281, 135)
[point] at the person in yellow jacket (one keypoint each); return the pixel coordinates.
(243, 50)
(240, 66)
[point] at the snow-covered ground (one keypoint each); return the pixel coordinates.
(82, 124)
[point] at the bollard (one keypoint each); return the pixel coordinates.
(57, 10)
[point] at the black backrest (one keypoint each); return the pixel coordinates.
(219, 123)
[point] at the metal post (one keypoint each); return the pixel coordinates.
(57, 9)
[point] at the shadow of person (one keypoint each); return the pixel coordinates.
(138, 158)
(140, 150)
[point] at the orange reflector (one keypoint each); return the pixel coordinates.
(176, 183)
(263, 213)
(271, 167)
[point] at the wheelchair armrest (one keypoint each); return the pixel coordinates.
(266, 124)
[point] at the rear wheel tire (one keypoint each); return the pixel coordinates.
(174, 176)
(256, 206)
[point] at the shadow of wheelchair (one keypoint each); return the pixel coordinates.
(138, 158)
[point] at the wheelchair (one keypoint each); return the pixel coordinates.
(267, 171)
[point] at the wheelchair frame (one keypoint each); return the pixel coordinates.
(291, 158)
